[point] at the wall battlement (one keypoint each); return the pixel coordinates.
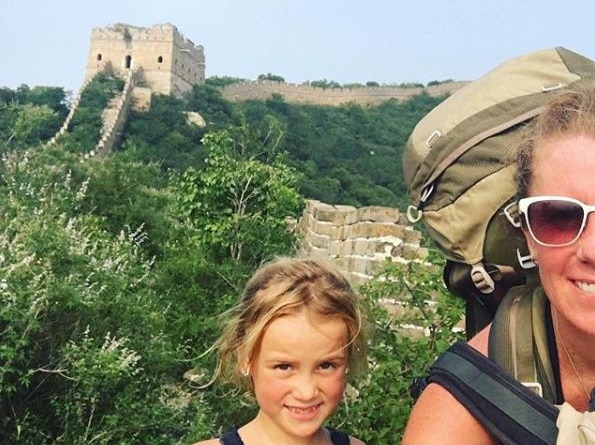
(299, 93)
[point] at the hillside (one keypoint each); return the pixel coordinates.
(346, 154)
(116, 267)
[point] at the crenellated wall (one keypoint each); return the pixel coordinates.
(359, 240)
(294, 93)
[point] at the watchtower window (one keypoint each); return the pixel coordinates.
(99, 57)
(128, 62)
(160, 59)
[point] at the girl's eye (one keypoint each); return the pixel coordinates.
(327, 365)
(283, 366)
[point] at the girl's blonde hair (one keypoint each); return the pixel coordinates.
(282, 287)
(571, 113)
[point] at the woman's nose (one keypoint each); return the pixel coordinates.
(586, 242)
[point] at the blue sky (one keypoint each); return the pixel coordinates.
(46, 42)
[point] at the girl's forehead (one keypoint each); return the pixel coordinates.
(302, 331)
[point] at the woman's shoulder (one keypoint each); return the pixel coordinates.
(457, 424)
(437, 417)
(481, 339)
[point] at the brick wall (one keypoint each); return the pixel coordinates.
(359, 240)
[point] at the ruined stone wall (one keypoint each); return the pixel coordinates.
(171, 64)
(73, 107)
(114, 117)
(359, 240)
(262, 90)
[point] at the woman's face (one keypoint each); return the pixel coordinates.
(565, 166)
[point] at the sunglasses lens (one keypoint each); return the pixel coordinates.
(555, 222)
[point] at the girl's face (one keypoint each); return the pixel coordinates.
(299, 375)
(566, 167)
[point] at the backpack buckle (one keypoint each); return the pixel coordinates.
(534, 387)
(411, 217)
(436, 134)
(525, 261)
(425, 194)
(482, 279)
(511, 211)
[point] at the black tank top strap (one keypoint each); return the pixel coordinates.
(231, 438)
(338, 437)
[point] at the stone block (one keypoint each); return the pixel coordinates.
(329, 229)
(362, 247)
(411, 236)
(378, 214)
(319, 241)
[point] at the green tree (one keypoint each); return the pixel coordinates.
(242, 199)
(271, 77)
(163, 136)
(35, 123)
(221, 81)
(207, 100)
(377, 407)
(323, 83)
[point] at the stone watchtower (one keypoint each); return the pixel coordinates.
(170, 64)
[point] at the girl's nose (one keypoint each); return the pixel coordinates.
(305, 388)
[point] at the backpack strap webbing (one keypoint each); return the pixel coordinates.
(518, 340)
(510, 411)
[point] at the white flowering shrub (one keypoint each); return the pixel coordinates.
(85, 354)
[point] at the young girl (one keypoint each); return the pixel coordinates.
(293, 340)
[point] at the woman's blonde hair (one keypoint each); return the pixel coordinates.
(569, 113)
(282, 287)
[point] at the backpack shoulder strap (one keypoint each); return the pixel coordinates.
(511, 412)
(519, 341)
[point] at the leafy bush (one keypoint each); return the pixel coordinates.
(405, 341)
(86, 354)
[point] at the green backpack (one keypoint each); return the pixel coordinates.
(459, 167)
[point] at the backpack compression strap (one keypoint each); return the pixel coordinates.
(510, 411)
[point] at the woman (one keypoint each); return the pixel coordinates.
(556, 187)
